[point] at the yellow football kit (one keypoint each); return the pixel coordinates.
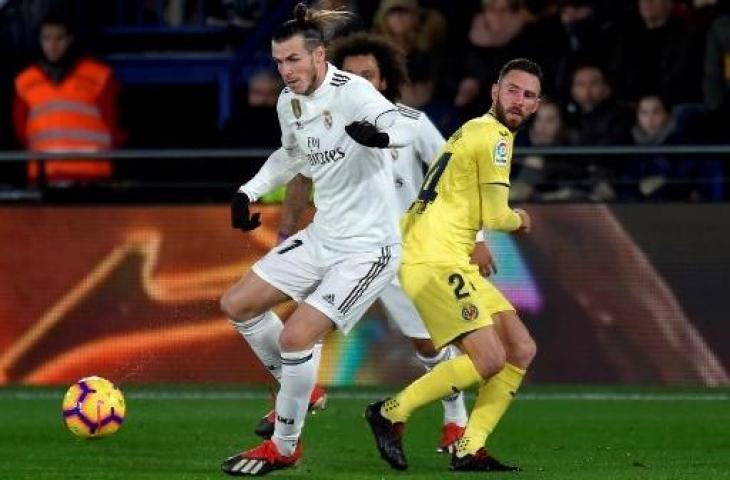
(465, 189)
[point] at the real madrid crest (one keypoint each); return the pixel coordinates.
(327, 119)
(470, 312)
(296, 107)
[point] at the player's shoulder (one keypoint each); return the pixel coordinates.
(411, 113)
(341, 79)
(285, 98)
(351, 86)
(484, 129)
(486, 124)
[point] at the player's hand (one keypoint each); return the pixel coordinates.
(365, 133)
(526, 223)
(482, 257)
(241, 218)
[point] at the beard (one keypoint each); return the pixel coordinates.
(501, 115)
(312, 79)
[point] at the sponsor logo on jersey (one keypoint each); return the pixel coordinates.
(296, 107)
(469, 312)
(329, 298)
(327, 119)
(501, 152)
(325, 157)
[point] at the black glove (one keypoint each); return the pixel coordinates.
(241, 218)
(365, 133)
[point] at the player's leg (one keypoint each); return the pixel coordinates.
(455, 414)
(248, 304)
(496, 394)
(288, 271)
(403, 314)
(347, 289)
(451, 309)
(518, 343)
(302, 331)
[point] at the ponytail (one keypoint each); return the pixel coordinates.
(316, 25)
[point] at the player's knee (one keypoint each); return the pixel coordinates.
(291, 341)
(522, 353)
(490, 363)
(234, 308)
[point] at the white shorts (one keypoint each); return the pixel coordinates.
(401, 312)
(342, 288)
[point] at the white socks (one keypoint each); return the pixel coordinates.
(298, 376)
(295, 371)
(454, 409)
(262, 334)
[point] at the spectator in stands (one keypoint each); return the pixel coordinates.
(649, 176)
(668, 177)
(587, 37)
(498, 33)
(598, 118)
(657, 54)
(66, 102)
(716, 82)
(547, 178)
(255, 124)
(419, 33)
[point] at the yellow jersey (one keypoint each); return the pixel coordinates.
(441, 224)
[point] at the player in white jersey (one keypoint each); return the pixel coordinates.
(378, 61)
(333, 126)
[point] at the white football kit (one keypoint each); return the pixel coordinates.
(350, 251)
(410, 164)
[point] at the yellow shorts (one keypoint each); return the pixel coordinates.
(451, 299)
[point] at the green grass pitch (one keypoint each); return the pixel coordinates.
(553, 433)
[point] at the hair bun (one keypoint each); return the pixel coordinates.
(300, 12)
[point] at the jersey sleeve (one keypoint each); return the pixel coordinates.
(366, 103)
(491, 151)
(428, 141)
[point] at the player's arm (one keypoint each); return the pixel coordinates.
(428, 141)
(496, 212)
(379, 124)
(295, 204)
(482, 256)
(278, 169)
(490, 152)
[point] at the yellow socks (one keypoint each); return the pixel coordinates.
(445, 379)
(492, 401)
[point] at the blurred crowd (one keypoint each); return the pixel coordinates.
(617, 72)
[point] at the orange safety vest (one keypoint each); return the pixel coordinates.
(66, 117)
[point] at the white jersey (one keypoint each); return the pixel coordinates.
(411, 162)
(353, 184)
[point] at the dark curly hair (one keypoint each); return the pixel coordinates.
(391, 61)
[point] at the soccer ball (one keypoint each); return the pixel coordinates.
(93, 408)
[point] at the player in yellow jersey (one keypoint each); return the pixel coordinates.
(465, 190)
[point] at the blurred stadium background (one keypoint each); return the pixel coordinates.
(622, 282)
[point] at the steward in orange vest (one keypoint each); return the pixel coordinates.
(66, 103)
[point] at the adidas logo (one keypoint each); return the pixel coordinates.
(329, 298)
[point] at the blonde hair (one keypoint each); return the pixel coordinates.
(317, 25)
